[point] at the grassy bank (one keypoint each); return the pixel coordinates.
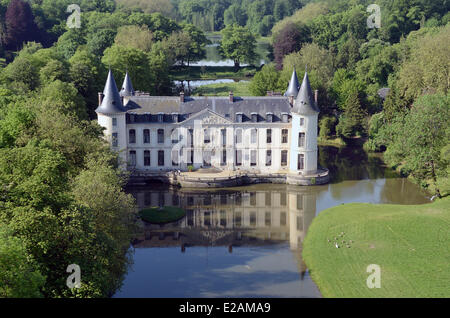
(409, 242)
(223, 89)
(333, 141)
(164, 215)
(211, 72)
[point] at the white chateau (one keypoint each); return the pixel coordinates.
(270, 137)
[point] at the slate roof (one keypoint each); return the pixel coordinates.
(304, 103)
(127, 87)
(112, 102)
(150, 106)
(294, 86)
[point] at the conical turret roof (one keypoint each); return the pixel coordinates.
(304, 103)
(294, 85)
(112, 102)
(127, 87)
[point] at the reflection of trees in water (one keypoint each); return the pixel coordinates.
(403, 191)
(351, 163)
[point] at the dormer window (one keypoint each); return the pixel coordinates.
(254, 117)
(131, 118)
(269, 117)
(284, 117)
(175, 117)
(239, 117)
(160, 117)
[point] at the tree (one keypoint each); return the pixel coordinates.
(238, 44)
(289, 39)
(121, 59)
(20, 25)
(234, 15)
(420, 137)
(264, 81)
(139, 37)
(351, 122)
(19, 277)
(196, 50)
(23, 71)
(99, 41)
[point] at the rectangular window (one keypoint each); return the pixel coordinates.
(268, 218)
(268, 198)
(238, 157)
(282, 218)
(174, 157)
(253, 156)
(239, 136)
(115, 141)
(146, 136)
(252, 218)
(299, 202)
(160, 157)
(302, 121)
(224, 136)
(114, 121)
(283, 199)
(132, 159)
(223, 162)
(160, 136)
(268, 157)
(301, 162)
(301, 139)
(223, 218)
(253, 198)
(284, 154)
(147, 158)
(284, 136)
(269, 136)
(191, 137)
(254, 135)
(132, 136)
(190, 157)
(206, 136)
(174, 135)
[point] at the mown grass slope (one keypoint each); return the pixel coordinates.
(410, 243)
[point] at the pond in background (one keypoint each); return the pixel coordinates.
(213, 57)
(247, 241)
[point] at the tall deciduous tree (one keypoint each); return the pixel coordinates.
(20, 25)
(238, 44)
(420, 137)
(290, 39)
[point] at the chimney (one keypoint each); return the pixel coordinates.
(231, 97)
(100, 98)
(316, 96)
(182, 97)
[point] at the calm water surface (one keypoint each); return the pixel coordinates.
(247, 241)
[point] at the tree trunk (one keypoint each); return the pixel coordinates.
(438, 193)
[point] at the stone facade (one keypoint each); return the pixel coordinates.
(253, 135)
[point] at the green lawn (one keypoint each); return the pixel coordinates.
(411, 244)
(165, 215)
(223, 89)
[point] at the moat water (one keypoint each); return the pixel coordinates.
(247, 241)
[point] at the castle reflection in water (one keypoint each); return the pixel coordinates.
(257, 215)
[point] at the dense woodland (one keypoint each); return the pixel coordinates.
(61, 196)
